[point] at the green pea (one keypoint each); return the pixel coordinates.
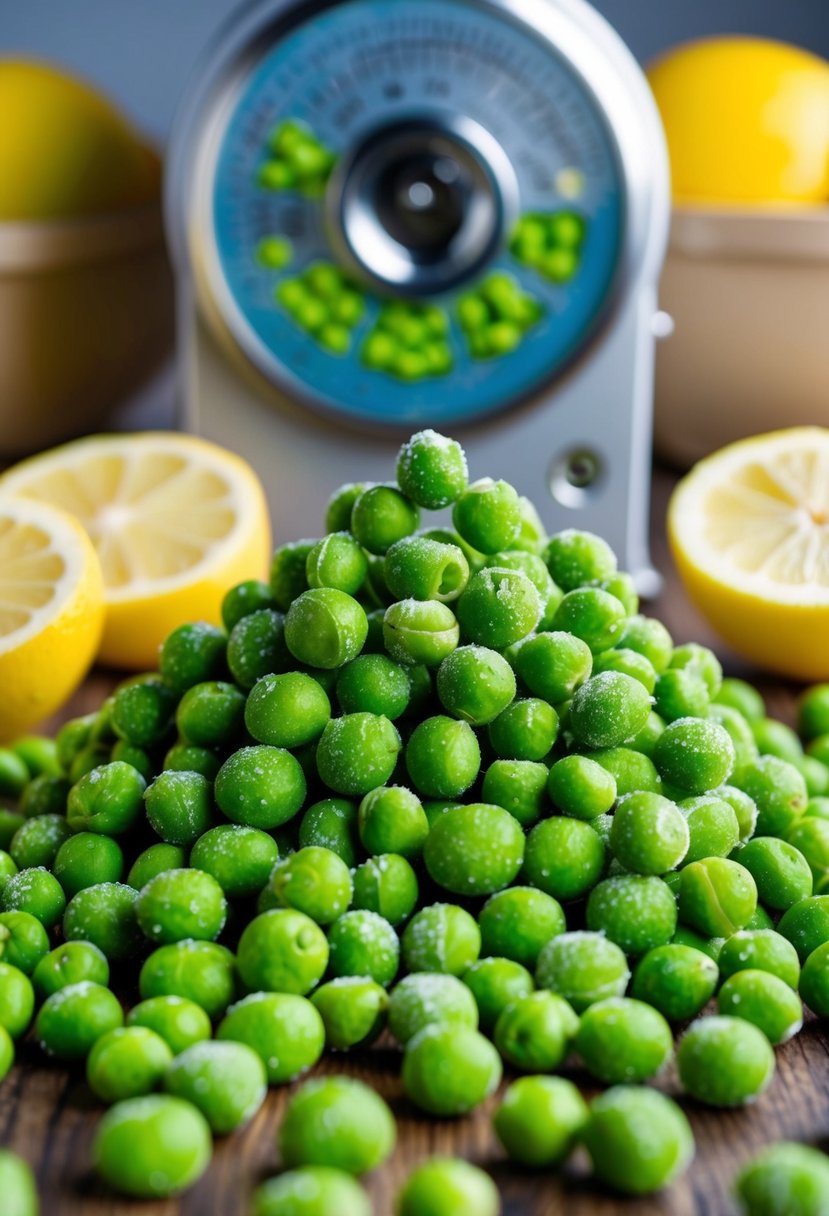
(17, 1185)
(282, 951)
(287, 710)
(179, 1022)
(474, 849)
(387, 885)
(553, 665)
(337, 561)
(534, 1032)
(443, 1187)
(633, 772)
(498, 608)
(37, 892)
(760, 949)
(781, 872)
(243, 599)
(519, 786)
(257, 647)
(814, 981)
(575, 558)
(449, 1070)
(338, 1122)
(17, 1000)
(582, 967)
(540, 1120)
(650, 835)
(363, 943)
(314, 881)
(382, 515)
(496, 983)
(105, 915)
(353, 1009)
(419, 631)
(806, 924)
(211, 714)
(724, 1061)
(239, 858)
(516, 923)
(716, 896)
(372, 683)
(712, 826)
(201, 972)
(6, 1053)
(636, 912)
(285, 1031)
(442, 757)
(779, 791)
(45, 795)
(743, 807)
(442, 938)
(475, 684)
(224, 1080)
(332, 824)
(127, 1062)
(72, 1019)
(608, 709)
(425, 999)
(591, 614)
(391, 819)
(10, 821)
(261, 786)
(192, 654)
(629, 662)
(765, 1001)
(784, 1177)
(623, 1040)
(152, 1147)
(312, 1190)
(776, 739)
(142, 710)
(154, 860)
(431, 470)
(810, 837)
(181, 905)
(677, 980)
(525, 730)
(681, 693)
(36, 841)
(23, 940)
(639, 1140)
(745, 748)
(563, 857)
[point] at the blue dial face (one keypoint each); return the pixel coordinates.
(500, 143)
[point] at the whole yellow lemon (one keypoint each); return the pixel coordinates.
(746, 119)
(64, 150)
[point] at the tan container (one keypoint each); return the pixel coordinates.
(749, 294)
(86, 315)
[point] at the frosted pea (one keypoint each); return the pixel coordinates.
(427, 999)
(760, 949)
(712, 827)
(388, 885)
(498, 608)
(630, 662)
(525, 730)
(765, 1001)
(633, 772)
(582, 967)
(649, 833)
(363, 943)
(781, 872)
(420, 631)
(743, 807)
(314, 881)
(127, 1062)
(152, 1146)
(694, 754)
(518, 786)
(608, 709)
(806, 924)
(287, 710)
(382, 515)
(420, 568)
(224, 1080)
(553, 664)
(311, 1190)
(442, 938)
(681, 694)
(487, 515)
(391, 819)
(636, 912)
(475, 684)
(534, 1033)
(357, 753)
(282, 951)
(564, 857)
(353, 1009)
(581, 787)
(778, 790)
(745, 748)
(474, 849)
(716, 896)
(593, 615)
(810, 836)
(724, 1061)
(337, 561)
(431, 469)
(325, 627)
(285, 1031)
(814, 981)
(576, 557)
(448, 1188)
(443, 757)
(784, 1177)
(516, 924)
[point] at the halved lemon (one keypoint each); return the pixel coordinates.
(175, 521)
(51, 611)
(749, 530)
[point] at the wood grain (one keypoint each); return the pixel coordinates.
(49, 1115)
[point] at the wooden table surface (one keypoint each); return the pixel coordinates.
(48, 1114)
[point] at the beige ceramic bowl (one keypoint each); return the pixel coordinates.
(86, 315)
(749, 294)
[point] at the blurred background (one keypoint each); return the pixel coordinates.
(140, 54)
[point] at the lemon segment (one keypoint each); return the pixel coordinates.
(51, 611)
(746, 120)
(749, 531)
(175, 521)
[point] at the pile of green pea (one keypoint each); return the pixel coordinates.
(445, 783)
(325, 303)
(495, 315)
(296, 160)
(409, 341)
(550, 242)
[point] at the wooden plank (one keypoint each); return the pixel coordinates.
(48, 1114)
